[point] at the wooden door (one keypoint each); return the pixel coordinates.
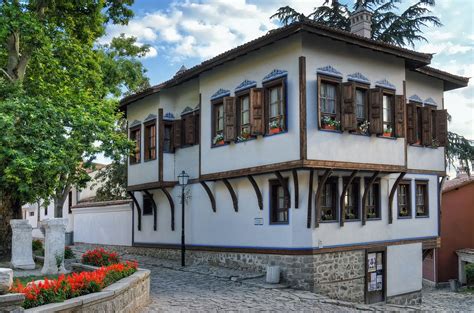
(375, 276)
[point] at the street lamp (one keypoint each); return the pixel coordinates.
(183, 182)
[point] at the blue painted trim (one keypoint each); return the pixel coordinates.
(385, 84)
(430, 101)
(358, 77)
(220, 93)
(330, 71)
(246, 84)
(274, 75)
(415, 98)
(168, 116)
(134, 124)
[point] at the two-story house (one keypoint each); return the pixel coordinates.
(311, 148)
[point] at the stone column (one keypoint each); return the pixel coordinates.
(22, 250)
(55, 229)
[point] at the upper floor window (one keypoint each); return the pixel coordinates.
(218, 122)
(278, 209)
(135, 135)
(404, 199)
(373, 201)
(275, 103)
(421, 199)
(328, 102)
(147, 205)
(328, 200)
(168, 138)
(150, 141)
(243, 116)
(351, 202)
(388, 116)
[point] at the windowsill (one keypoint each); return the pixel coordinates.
(358, 134)
(421, 146)
(167, 152)
(242, 141)
(329, 222)
(280, 133)
(151, 214)
(404, 217)
(149, 160)
(331, 130)
(385, 137)
(135, 163)
(374, 219)
(279, 223)
(218, 146)
(352, 220)
(423, 216)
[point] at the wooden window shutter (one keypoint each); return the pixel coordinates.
(426, 136)
(177, 133)
(411, 123)
(349, 119)
(257, 125)
(197, 127)
(230, 119)
(442, 127)
(189, 134)
(399, 116)
(375, 112)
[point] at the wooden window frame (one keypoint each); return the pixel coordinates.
(354, 185)
(391, 94)
(170, 125)
(409, 197)
(334, 181)
(133, 130)
(266, 102)
(214, 104)
(378, 204)
(238, 104)
(426, 203)
(145, 212)
(365, 88)
(148, 156)
(326, 79)
(274, 183)
(184, 131)
(418, 124)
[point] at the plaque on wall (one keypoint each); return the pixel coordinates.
(371, 261)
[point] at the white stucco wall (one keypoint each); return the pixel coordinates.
(109, 225)
(404, 268)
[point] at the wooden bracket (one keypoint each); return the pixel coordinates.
(295, 183)
(155, 211)
(210, 195)
(310, 196)
(232, 194)
(365, 195)
(342, 204)
(257, 191)
(285, 189)
(392, 194)
(171, 202)
(139, 210)
(321, 183)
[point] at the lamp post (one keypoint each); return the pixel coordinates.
(183, 181)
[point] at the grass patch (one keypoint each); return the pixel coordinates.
(28, 279)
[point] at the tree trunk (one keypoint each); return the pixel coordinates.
(9, 209)
(59, 200)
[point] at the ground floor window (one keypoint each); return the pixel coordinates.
(373, 201)
(404, 207)
(147, 205)
(278, 209)
(351, 202)
(421, 198)
(328, 201)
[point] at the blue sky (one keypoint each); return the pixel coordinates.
(190, 31)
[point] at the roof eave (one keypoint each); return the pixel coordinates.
(450, 81)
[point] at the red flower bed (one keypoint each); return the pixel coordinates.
(100, 257)
(72, 285)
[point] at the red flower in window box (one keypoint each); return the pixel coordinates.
(218, 140)
(387, 132)
(275, 130)
(330, 127)
(418, 142)
(275, 127)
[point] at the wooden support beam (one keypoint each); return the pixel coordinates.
(155, 210)
(321, 183)
(232, 194)
(342, 205)
(392, 194)
(295, 183)
(139, 210)
(171, 202)
(161, 139)
(366, 194)
(210, 195)
(257, 191)
(285, 189)
(302, 98)
(310, 196)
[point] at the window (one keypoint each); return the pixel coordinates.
(275, 103)
(361, 105)
(328, 201)
(388, 115)
(421, 199)
(147, 205)
(135, 135)
(373, 201)
(32, 213)
(150, 141)
(218, 122)
(69, 204)
(328, 101)
(243, 117)
(351, 202)
(419, 123)
(168, 138)
(404, 207)
(278, 210)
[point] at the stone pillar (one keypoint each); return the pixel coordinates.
(55, 229)
(22, 250)
(6, 280)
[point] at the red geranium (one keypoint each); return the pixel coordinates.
(100, 257)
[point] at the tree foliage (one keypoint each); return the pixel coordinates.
(459, 152)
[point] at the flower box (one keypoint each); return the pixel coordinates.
(275, 130)
(220, 142)
(387, 134)
(328, 127)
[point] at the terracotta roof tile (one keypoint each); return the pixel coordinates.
(457, 182)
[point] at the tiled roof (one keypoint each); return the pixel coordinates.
(457, 182)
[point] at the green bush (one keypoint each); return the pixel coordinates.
(38, 247)
(68, 254)
(470, 273)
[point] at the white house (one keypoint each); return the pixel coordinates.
(312, 148)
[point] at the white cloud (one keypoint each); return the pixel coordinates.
(448, 48)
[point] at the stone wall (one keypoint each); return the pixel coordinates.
(411, 298)
(11, 303)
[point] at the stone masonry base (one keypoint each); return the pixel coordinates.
(411, 298)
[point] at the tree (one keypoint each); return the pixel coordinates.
(57, 88)
(459, 152)
(399, 29)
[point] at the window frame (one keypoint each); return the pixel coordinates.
(409, 197)
(238, 97)
(133, 130)
(426, 203)
(378, 204)
(278, 82)
(365, 88)
(147, 148)
(391, 94)
(275, 183)
(326, 79)
(214, 104)
(334, 181)
(355, 186)
(168, 124)
(145, 212)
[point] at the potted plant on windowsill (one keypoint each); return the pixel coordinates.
(387, 132)
(350, 216)
(371, 215)
(363, 128)
(329, 123)
(275, 127)
(244, 136)
(218, 140)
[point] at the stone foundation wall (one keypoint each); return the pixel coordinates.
(411, 298)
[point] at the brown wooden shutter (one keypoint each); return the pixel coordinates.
(197, 127)
(411, 123)
(441, 127)
(177, 133)
(189, 129)
(426, 137)
(399, 116)
(375, 113)
(349, 118)
(257, 125)
(230, 121)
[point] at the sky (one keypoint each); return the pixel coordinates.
(187, 32)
